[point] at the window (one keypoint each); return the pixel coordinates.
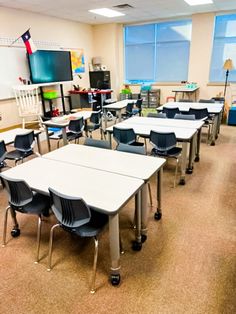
(224, 47)
(157, 52)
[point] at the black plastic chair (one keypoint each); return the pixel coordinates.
(74, 132)
(165, 146)
(185, 100)
(128, 111)
(135, 150)
(75, 216)
(125, 136)
(97, 143)
(200, 114)
(170, 112)
(95, 123)
(138, 109)
(23, 144)
(207, 101)
(181, 116)
(22, 199)
(160, 115)
(3, 153)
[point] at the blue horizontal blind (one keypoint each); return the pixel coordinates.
(224, 47)
(157, 52)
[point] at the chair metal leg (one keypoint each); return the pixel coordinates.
(38, 238)
(176, 171)
(150, 193)
(50, 246)
(92, 290)
(5, 227)
(121, 247)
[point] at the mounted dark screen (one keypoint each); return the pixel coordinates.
(48, 66)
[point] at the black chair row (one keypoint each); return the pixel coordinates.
(73, 215)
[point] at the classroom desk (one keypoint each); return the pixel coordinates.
(213, 108)
(197, 124)
(104, 191)
(183, 135)
(62, 123)
(186, 91)
(9, 136)
(122, 163)
(117, 107)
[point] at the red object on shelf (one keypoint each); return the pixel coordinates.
(170, 98)
(55, 112)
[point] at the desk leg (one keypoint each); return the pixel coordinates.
(114, 249)
(48, 140)
(137, 244)
(183, 162)
(105, 117)
(197, 158)
(38, 144)
(189, 170)
(214, 130)
(64, 137)
(158, 213)
(110, 140)
(119, 114)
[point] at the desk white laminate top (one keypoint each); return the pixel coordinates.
(119, 104)
(127, 164)
(65, 120)
(182, 134)
(185, 89)
(184, 106)
(180, 123)
(106, 191)
(9, 136)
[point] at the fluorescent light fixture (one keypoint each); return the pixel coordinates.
(198, 2)
(107, 12)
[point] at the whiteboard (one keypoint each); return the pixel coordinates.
(13, 64)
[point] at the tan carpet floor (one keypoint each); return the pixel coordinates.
(187, 264)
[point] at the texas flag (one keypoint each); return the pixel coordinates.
(30, 46)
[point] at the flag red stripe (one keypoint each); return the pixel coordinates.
(28, 47)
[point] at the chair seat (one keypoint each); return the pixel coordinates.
(39, 205)
(91, 126)
(173, 152)
(17, 154)
(136, 144)
(72, 136)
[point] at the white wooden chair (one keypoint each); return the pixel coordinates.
(29, 106)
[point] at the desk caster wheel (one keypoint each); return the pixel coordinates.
(213, 143)
(15, 232)
(182, 182)
(157, 215)
(197, 158)
(143, 238)
(136, 246)
(115, 279)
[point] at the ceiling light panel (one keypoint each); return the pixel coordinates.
(107, 12)
(198, 2)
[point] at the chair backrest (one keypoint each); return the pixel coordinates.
(126, 136)
(139, 103)
(129, 107)
(3, 151)
(185, 100)
(131, 149)
(27, 99)
(70, 211)
(200, 113)
(163, 141)
(23, 142)
(184, 116)
(96, 143)
(170, 112)
(161, 115)
(19, 193)
(76, 126)
(206, 101)
(96, 117)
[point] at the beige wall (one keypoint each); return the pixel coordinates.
(68, 34)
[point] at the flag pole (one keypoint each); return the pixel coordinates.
(14, 41)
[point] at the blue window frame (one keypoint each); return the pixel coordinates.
(157, 52)
(224, 47)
